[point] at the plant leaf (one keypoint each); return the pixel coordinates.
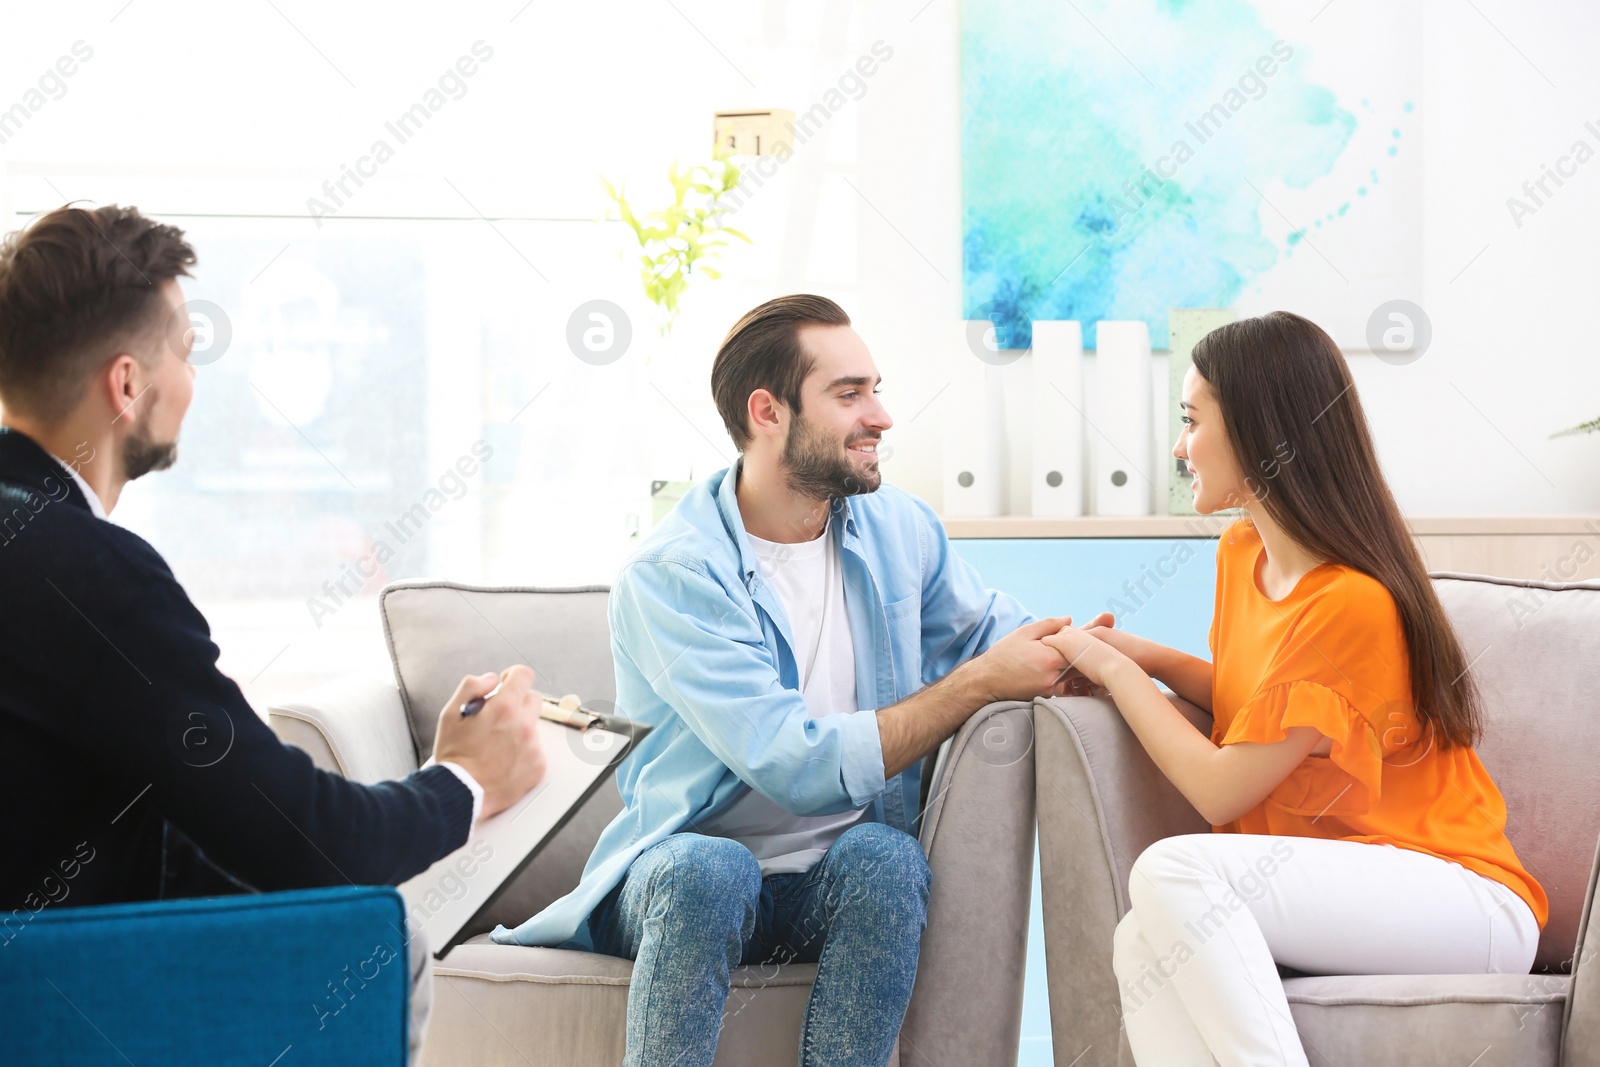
(1592, 426)
(684, 233)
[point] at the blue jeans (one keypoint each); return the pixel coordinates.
(693, 908)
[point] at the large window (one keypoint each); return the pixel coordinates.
(397, 399)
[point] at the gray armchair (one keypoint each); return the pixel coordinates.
(505, 1004)
(1535, 648)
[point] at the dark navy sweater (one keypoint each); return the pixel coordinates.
(130, 767)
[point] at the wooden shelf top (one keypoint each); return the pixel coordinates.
(1175, 526)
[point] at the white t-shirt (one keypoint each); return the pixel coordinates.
(810, 582)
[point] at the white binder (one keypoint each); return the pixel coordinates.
(973, 432)
(1122, 416)
(1056, 468)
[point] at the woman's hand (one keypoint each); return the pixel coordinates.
(1141, 650)
(1074, 683)
(1186, 675)
(1087, 654)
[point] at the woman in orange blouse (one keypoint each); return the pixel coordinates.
(1358, 833)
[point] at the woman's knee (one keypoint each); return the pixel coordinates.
(1142, 972)
(1129, 949)
(1167, 861)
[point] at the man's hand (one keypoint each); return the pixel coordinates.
(498, 746)
(1016, 667)
(1019, 666)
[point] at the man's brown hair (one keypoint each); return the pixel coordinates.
(763, 351)
(74, 286)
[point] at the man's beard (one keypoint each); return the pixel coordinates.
(141, 454)
(817, 467)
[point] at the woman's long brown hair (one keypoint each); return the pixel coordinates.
(1285, 391)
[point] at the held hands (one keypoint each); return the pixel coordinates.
(1036, 660)
(1087, 654)
(498, 746)
(1020, 666)
(1075, 683)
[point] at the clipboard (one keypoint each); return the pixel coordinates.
(582, 747)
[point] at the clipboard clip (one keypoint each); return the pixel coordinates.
(568, 711)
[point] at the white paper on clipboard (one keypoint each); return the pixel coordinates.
(443, 899)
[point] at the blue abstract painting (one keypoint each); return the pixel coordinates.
(1117, 157)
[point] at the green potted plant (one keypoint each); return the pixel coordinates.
(679, 241)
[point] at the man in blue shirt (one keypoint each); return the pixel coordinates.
(799, 637)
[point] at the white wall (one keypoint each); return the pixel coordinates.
(234, 109)
(1464, 430)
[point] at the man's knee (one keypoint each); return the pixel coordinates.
(878, 863)
(708, 876)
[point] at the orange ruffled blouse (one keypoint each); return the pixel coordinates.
(1332, 655)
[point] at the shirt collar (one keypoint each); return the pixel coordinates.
(728, 504)
(727, 498)
(88, 493)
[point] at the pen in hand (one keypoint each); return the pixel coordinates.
(475, 705)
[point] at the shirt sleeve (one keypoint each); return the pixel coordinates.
(1345, 783)
(961, 618)
(153, 709)
(472, 785)
(706, 657)
(1337, 671)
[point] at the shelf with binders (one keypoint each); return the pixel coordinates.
(1551, 548)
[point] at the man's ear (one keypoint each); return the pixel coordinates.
(766, 413)
(124, 381)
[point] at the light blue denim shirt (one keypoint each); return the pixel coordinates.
(705, 656)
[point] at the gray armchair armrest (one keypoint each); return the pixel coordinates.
(1580, 1040)
(1101, 802)
(355, 725)
(977, 829)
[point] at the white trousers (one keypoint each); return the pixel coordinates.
(1213, 913)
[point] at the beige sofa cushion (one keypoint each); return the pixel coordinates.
(1482, 1020)
(439, 631)
(1535, 652)
(500, 1002)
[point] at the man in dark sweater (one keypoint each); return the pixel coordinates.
(132, 768)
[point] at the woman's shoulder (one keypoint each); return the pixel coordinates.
(1239, 537)
(1347, 634)
(1353, 598)
(1349, 624)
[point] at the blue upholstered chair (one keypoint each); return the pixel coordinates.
(276, 980)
